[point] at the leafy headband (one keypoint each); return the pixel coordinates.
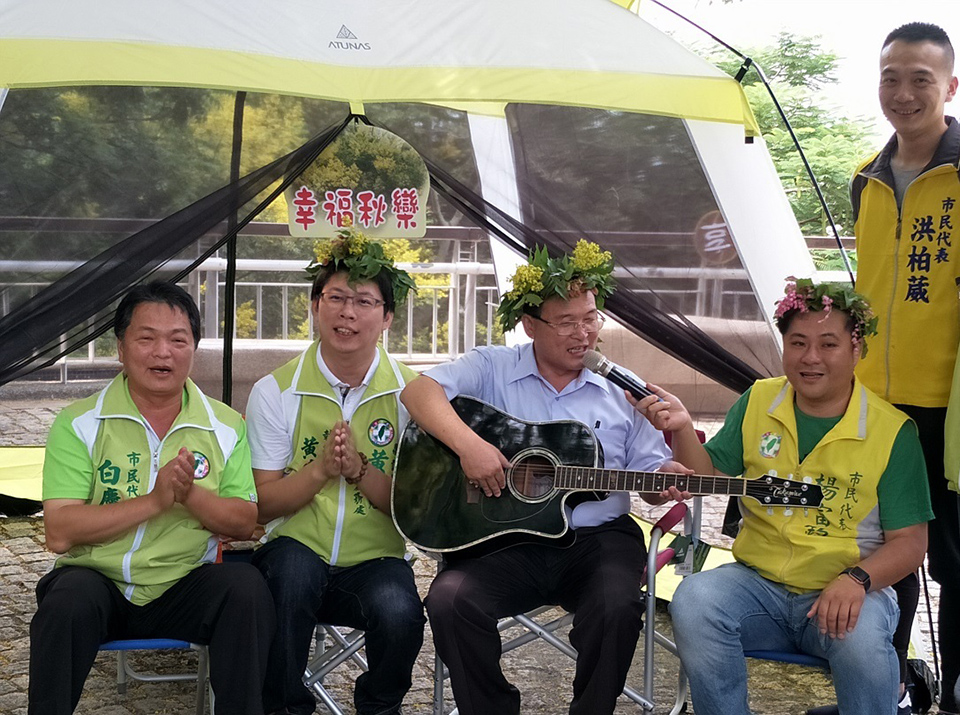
(363, 260)
(803, 295)
(542, 277)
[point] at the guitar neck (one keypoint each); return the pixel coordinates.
(623, 480)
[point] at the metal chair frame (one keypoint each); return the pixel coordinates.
(126, 672)
(546, 631)
(328, 657)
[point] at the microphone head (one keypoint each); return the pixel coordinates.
(595, 362)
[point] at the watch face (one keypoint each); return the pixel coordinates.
(859, 575)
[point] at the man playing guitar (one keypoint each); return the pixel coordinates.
(598, 577)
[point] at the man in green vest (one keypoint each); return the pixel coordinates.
(139, 482)
(814, 581)
(324, 430)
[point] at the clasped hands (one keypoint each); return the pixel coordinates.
(339, 457)
(175, 479)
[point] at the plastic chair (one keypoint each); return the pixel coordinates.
(333, 649)
(656, 560)
(126, 672)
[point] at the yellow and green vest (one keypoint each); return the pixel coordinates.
(340, 524)
(99, 450)
(805, 549)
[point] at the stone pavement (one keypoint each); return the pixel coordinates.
(542, 674)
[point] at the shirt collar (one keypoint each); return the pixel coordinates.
(117, 402)
(336, 382)
(527, 367)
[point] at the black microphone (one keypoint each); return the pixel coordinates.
(595, 362)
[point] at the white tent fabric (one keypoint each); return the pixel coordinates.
(568, 51)
(478, 57)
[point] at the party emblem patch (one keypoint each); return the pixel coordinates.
(381, 432)
(201, 465)
(770, 445)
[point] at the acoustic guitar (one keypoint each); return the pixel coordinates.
(436, 509)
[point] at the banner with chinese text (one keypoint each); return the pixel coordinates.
(368, 178)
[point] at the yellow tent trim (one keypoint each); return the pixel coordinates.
(31, 63)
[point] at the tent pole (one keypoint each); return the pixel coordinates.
(230, 281)
(747, 64)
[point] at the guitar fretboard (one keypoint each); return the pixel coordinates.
(621, 480)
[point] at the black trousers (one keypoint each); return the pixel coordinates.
(943, 550)
(224, 606)
(598, 579)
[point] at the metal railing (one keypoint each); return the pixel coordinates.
(439, 322)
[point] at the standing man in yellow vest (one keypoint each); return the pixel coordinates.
(324, 430)
(139, 482)
(813, 581)
(906, 203)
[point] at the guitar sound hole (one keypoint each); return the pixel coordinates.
(533, 477)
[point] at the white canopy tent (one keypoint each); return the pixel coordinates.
(508, 66)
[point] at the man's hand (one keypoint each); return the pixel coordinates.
(174, 480)
(346, 458)
(663, 410)
(669, 467)
(838, 607)
(483, 465)
(334, 458)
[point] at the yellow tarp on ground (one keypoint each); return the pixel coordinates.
(21, 472)
(667, 579)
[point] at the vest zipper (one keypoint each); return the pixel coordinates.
(893, 296)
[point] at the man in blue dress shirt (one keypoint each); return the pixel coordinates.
(598, 577)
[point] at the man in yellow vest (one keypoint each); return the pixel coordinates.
(139, 481)
(906, 203)
(813, 581)
(324, 430)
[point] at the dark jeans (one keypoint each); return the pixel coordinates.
(598, 579)
(224, 606)
(378, 596)
(943, 549)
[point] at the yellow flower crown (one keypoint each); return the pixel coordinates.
(588, 269)
(363, 259)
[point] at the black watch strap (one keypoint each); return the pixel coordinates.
(858, 575)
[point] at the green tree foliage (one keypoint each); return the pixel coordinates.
(246, 321)
(798, 68)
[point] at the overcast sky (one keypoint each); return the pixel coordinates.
(853, 29)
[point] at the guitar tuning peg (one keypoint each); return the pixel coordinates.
(769, 511)
(806, 513)
(788, 512)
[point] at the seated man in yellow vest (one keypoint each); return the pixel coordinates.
(814, 581)
(138, 482)
(324, 430)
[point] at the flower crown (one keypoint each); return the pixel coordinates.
(351, 251)
(543, 277)
(803, 295)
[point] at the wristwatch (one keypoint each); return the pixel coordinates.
(858, 575)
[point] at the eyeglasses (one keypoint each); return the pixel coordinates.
(566, 329)
(360, 302)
